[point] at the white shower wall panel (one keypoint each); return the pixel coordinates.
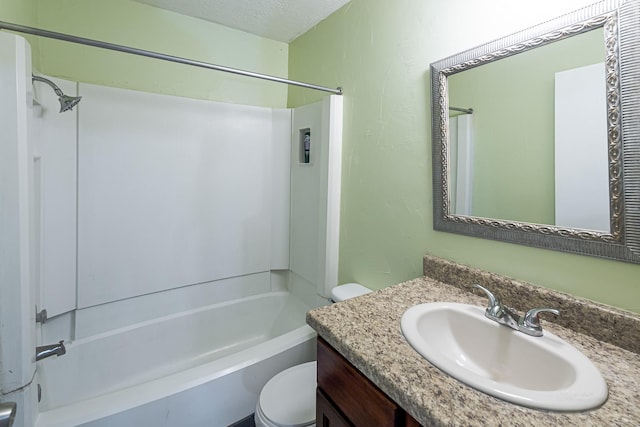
(17, 227)
(171, 192)
(315, 195)
(308, 215)
(281, 188)
(55, 140)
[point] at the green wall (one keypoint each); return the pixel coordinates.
(137, 25)
(379, 52)
(22, 12)
(513, 101)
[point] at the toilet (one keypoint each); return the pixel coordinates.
(289, 398)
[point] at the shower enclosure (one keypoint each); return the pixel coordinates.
(147, 221)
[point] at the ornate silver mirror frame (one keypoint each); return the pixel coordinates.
(620, 20)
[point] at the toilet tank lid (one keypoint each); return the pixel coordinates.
(348, 290)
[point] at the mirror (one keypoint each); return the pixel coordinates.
(504, 155)
(536, 136)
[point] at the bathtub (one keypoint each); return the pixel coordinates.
(202, 367)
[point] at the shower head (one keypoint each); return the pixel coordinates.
(66, 102)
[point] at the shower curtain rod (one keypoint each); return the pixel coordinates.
(156, 55)
(462, 110)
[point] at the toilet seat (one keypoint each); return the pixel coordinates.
(289, 398)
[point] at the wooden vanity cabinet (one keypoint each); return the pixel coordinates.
(346, 398)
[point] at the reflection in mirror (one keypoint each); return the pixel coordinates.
(529, 133)
(580, 154)
(461, 161)
(502, 155)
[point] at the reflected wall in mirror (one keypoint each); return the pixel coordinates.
(535, 135)
(509, 138)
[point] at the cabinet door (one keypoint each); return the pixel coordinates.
(326, 414)
(361, 402)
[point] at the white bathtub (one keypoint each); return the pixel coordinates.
(203, 367)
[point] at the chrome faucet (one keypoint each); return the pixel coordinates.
(528, 324)
(7, 413)
(50, 350)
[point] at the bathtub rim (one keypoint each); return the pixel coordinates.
(277, 313)
(122, 400)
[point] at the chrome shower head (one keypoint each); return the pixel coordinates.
(66, 102)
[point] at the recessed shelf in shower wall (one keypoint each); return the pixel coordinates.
(304, 144)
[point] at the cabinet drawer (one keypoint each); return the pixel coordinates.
(326, 414)
(362, 403)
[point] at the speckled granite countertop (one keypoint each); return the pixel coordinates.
(366, 331)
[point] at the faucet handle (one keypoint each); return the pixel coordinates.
(531, 322)
(494, 306)
(493, 300)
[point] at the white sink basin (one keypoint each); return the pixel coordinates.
(544, 372)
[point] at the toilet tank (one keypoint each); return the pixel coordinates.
(348, 290)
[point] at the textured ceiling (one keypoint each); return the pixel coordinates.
(282, 20)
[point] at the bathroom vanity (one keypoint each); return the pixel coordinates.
(345, 397)
(369, 375)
